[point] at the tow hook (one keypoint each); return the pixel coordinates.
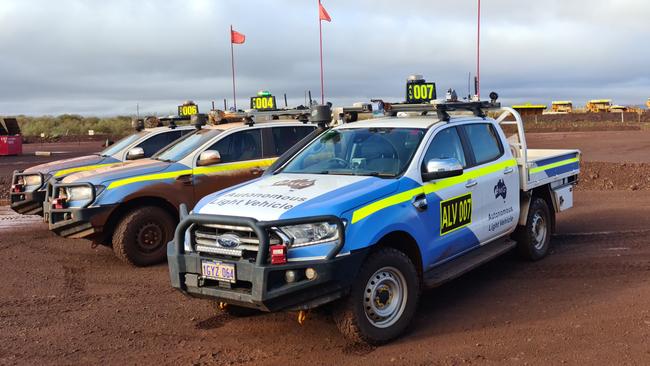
(223, 306)
(302, 317)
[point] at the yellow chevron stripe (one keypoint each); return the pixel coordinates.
(428, 188)
(198, 171)
(82, 169)
(553, 165)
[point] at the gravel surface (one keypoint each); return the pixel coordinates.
(64, 302)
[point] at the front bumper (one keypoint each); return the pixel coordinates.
(260, 285)
(77, 222)
(26, 203)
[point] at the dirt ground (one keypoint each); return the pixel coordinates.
(63, 302)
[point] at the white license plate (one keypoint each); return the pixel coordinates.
(218, 271)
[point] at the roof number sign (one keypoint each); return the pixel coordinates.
(420, 92)
(263, 103)
(188, 110)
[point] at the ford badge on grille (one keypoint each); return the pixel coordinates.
(228, 240)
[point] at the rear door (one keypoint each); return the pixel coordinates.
(497, 187)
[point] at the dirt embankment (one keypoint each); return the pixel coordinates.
(599, 176)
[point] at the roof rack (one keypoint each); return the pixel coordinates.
(442, 108)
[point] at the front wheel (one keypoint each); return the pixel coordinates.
(142, 235)
(382, 300)
(533, 239)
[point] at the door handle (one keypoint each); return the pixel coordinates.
(471, 183)
(257, 170)
(508, 170)
(420, 202)
(185, 179)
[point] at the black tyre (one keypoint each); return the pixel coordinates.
(141, 236)
(533, 240)
(382, 301)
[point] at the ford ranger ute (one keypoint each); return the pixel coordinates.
(369, 213)
(29, 187)
(134, 208)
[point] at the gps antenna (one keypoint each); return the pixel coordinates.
(321, 115)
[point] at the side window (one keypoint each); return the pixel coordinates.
(484, 141)
(240, 146)
(446, 145)
(285, 137)
(157, 142)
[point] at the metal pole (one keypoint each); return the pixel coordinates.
(232, 62)
(320, 31)
(478, 52)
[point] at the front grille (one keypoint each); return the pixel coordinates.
(204, 240)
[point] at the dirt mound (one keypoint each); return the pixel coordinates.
(598, 176)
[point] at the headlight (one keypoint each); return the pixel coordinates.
(310, 234)
(82, 193)
(31, 182)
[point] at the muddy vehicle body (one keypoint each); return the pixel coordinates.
(134, 208)
(29, 186)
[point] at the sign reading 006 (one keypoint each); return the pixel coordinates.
(420, 92)
(188, 110)
(263, 103)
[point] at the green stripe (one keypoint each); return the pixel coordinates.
(428, 188)
(197, 171)
(553, 165)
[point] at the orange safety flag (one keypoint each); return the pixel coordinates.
(322, 13)
(236, 37)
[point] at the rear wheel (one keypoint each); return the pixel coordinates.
(382, 300)
(533, 239)
(142, 235)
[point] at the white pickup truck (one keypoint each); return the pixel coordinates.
(367, 214)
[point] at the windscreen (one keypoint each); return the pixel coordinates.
(122, 144)
(382, 152)
(185, 145)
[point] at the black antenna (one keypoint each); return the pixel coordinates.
(213, 104)
(469, 83)
(225, 104)
(309, 105)
(476, 85)
(286, 105)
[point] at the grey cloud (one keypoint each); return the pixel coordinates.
(100, 57)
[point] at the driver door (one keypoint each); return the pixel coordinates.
(242, 159)
(450, 210)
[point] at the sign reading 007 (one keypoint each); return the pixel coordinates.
(188, 110)
(420, 92)
(263, 103)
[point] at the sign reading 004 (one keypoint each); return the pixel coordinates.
(188, 110)
(263, 103)
(420, 92)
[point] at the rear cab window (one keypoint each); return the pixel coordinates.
(484, 142)
(156, 142)
(284, 137)
(240, 146)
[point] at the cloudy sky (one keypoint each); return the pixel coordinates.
(104, 57)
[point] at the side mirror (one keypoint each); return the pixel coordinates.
(135, 153)
(441, 168)
(209, 157)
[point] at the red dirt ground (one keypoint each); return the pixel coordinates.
(587, 303)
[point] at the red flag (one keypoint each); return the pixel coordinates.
(322, 13)
(236, 37)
